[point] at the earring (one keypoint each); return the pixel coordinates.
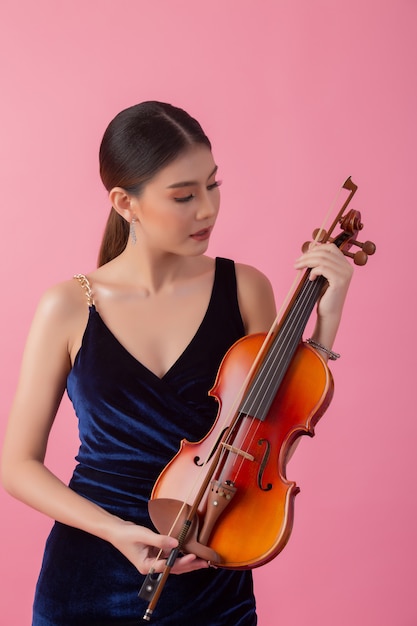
(132, 230)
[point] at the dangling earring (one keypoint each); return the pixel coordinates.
(132, 230)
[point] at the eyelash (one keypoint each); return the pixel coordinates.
(214, 185)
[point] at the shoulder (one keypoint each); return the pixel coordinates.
(256, 298)
(59, 320)
(63, 300)
(61, 315)
(251, 277)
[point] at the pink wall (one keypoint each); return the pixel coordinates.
(296, 96)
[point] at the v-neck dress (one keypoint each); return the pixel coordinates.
(130, 425)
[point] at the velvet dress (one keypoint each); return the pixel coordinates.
(130, 425)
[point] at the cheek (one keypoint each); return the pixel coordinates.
(155, 215)
(167, 223)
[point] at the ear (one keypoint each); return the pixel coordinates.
(122, 202)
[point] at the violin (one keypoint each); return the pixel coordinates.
(226, 498)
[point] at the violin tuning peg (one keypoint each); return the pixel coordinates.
(368, 247)
(319, 234)
(359, 258)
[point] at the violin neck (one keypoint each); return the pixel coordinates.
(280, 351)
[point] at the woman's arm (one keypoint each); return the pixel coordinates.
(256, 299)
(57, 325)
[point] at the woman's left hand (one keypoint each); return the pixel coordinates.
(328, 261)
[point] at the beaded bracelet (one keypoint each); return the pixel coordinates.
(332, 355)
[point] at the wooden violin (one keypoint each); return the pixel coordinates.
(226, 498)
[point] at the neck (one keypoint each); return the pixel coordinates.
(156, 272)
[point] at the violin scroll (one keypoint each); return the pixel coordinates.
(350, 225)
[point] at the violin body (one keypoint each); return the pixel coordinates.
(245, 517)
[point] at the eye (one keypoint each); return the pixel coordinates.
(214, 185)
(185, 198)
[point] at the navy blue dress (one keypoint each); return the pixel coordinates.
(130, 424)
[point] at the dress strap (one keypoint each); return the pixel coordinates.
(85, 284)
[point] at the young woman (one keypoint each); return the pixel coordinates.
(137, 344)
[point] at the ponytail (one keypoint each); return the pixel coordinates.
(115, 237)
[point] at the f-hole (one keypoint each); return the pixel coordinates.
(264, 462)
(200, 463)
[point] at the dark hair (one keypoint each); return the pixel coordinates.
(137, 143)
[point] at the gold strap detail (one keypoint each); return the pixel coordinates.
(84, 282)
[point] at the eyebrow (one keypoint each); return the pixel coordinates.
(191, 183)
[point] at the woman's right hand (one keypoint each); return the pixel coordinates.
(147, 549)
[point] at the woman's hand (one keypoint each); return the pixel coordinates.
(146, 549)
(328, 261)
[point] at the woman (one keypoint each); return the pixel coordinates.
(137, 344)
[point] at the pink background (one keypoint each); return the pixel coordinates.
(296, 96)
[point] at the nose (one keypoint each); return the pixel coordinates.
(208, 206)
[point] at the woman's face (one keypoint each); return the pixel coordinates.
(177, 209)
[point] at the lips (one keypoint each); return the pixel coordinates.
(201, 235)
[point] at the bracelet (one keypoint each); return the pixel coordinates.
(332, 355)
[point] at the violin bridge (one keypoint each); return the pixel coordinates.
(239, 452)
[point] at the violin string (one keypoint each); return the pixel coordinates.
(260, 354)
(289, 336)
(272, 361)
